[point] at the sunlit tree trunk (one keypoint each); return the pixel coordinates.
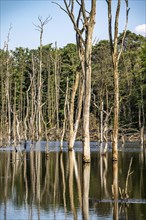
(40, 28)
(40, 86)
(116, 53)
(7, 87)
(87, 90)
(101, 121)
(49, 92)
(65, 116)
(116, 113)
(33, 102)
(74, 122)
(27, 112)
(84, 25)
(14, 117)
(141, 113)
(3, 104)
(71, 113)
(56, 87)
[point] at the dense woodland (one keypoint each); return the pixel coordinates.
(36, 91)
(83, 91)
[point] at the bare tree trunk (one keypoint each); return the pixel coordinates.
(87, 96)
(84, 25)
(3, 104)
(33, 104)
(8, 99)
(74, 123)
(27, 112)
(71, 113)
(101, 122)
(48, 92)
(14, 117)
(116, 114)
(141, 114)
(56, 87)
(40, 87)
(116, 53)
(40, 28)
(65, 116)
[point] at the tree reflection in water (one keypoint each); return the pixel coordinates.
(85, 190)
(115, 190)
(59, 186)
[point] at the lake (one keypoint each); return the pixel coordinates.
(56, 185)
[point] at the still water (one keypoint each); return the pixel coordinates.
(39, 185)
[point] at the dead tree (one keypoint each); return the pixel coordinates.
(116, 53)
(33, 106)
(7, 87)
(65, 116)
(74, 117)
(83, 25)
(40, 28)
(56, 73)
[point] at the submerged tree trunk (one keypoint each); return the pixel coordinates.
(40, 28)
(116, 53)
(65, 116)
(141, 113)
(101, 121)
(56, 87)
(71, 113)
(74, 123)
(87, 94)
(8, 96)
(116, 114)
(83, 25)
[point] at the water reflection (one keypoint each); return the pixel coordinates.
(86, 186)
(54, 185)
(115, 190)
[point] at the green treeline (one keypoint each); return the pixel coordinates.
(23, 109)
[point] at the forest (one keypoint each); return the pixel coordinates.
(72, 122)
(38, 85)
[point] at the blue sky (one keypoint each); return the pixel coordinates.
(22, 14)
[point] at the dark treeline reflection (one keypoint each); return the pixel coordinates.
(59, 186)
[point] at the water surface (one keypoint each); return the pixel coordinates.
(39, 185)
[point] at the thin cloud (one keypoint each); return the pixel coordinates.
(141, 29)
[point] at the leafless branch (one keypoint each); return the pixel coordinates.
(69, 11)
(110, 24)
(124, 35)
(42, 23)
(60, 7)
(6, 43)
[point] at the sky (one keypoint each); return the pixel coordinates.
(23, 14)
